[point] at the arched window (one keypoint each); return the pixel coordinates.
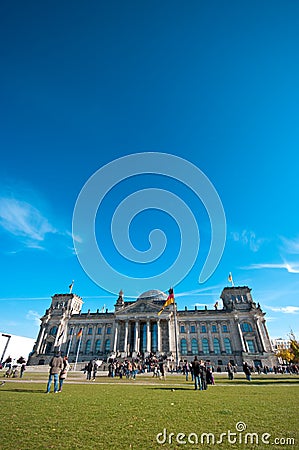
(205, 346)
(98, 346)
(245, 326)
(107, 346)
(184, 350)
(216, 343)
(227, 345)
(194, 346)
(87, 346)
(53, 331)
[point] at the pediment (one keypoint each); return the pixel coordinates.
(140, 307)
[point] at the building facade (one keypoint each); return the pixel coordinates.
(234, 333)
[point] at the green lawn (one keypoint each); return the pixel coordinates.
(127, 414)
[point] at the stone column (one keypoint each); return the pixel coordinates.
(222, 348)
(40, 339)
(210, 338)
(126, 337)
(136, 346)
(115, 338)
(263, 347)
(158, 336)
(148, 336)
(241, 338)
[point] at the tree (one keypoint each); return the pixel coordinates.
(285, 354)
(294, 347)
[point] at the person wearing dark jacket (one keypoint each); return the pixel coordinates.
(196, 373)
(56, 365)
(203, 375)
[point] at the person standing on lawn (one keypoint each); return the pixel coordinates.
(196, 374)
(63, 373)
(56, 365)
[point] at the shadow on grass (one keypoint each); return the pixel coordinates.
(260, 382)
(28, 391)
(162, 388)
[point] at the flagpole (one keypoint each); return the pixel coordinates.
(175, 335)
(69, 346)
(79, 344)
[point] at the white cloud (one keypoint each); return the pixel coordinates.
(291, 268)
(248, 238)
(24, 221)
(291, 245)
(34, 316)
(285, 309)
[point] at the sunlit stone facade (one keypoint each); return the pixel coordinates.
(234, 333)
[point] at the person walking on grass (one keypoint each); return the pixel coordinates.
(247, 371)
(56, 365)
(63, 373)
(230, 371)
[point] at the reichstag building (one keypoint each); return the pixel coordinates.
(235, 333)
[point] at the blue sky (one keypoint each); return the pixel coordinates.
(82, 85)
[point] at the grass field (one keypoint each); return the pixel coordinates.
(127, 414)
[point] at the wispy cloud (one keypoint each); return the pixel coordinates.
(291, 268)
(34, 316)
(290, 246)
(209, 291)
(24, 221)
(248, 238)
(284, 309)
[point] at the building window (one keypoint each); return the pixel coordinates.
(89, 331)
(205, 346)
(220, 362)
(108, 330)
(192, 329)
(107, 346)
(182, 329)
(143, 336)
(87, 346)
(99, 330)
(154, 340)
(194, 346)
(227, 345)
(250, 346)
(224, 329)
(48, 348)
(53, 331)
(214, 329)
(98, 346)
(184, 347)
(245, 326)
(203, 329)
(216, 343)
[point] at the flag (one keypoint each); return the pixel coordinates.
(216, 305)
(79, 334)
(169, 300)
(230, 278)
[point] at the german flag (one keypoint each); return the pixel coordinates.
(79, 334)
(169, 300)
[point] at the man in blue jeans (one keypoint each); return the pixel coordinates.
(56, 365)
(196, 373)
